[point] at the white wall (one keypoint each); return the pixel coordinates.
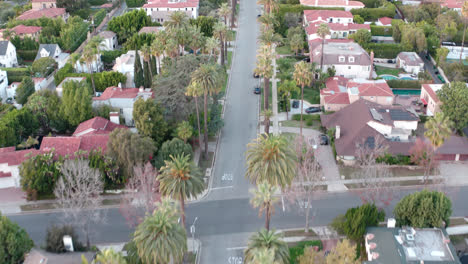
(193, 10)
(14, 180)
(350, 71)
(381, 128)
(9, 59)
(413, 125)
(412, 69)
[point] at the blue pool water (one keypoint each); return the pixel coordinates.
(388, 77)
(406, 92)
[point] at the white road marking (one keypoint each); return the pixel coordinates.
(224, 187)
(235, 248)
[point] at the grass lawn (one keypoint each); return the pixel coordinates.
(384, 70)
(284, 50)
(294, 123)
(311, 95)
(348, 171)
(233, 34)
(229, 58)
(261, 98)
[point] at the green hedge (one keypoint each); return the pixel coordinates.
(97, 2)
(99, 17)
(394, 160)
(381, 31)
(27, 55)
(383, 50)
(135, 3)
(375, 13)
(399, 84)
(109, 56)
(16, 74)
(306, 117)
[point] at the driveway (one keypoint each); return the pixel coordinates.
(429, 67)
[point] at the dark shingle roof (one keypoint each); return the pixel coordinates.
(49, 47)
(3, 47)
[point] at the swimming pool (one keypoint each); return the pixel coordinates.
(388, 77)
(407, 78)
(406, 91)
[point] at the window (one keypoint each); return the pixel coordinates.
(341, 59)
(345, 34)
(351, 59)
(186, 9)
(349, 67)
(338, 20)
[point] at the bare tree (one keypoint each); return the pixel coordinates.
(78, 194)
(141, 194)
(306, 184)
(423, 154)
(374, 188)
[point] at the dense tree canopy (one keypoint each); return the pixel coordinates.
(424, 209)
(129, 23)
(40, 173)
(45, 105)
(15, 242)
(44, 66)
(454, 98)
(16, 126)
(172, 147)
(25, 89)
(149, 120)
(76, 102)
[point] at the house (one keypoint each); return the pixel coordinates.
(125, 64)
(48, 13)
(3, 86)
(92, 135)
(123, 99)
(43, 4)
(160, 10)
(455, 5)
(7, 54)
(23, 31)
(39, 83)
(327, 16)
(96, 65)
(430, 99)
(346, 4)
(59, 88)
(363, 121)
(410, 62)
(109, 40)
(455, 148)
(348, 58)
(455, 51)
(340, 92)
(150, 30)
(408, 245)
(337, 30)
(384, 21)
(52, 51)
(340, 23)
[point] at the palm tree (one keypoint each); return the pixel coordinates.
(177, 20)
(180, 179)
(196, 38)
(267, 114)
(194, 90)
(286, 88)
(160, 238)
(211, 46)
(209, 78)
(146, 52)
(269, 5)
(184, 131)
(296, 43)
(303, 76)
(323, 30)
(268, 21)
(74, 58)
(269, 37)
(265, 69)
(224, 11)
(109, 256)
(265, 200)
(263, 256)
(464, 16)
(438, 129)
(220, 31)
(88, 57)
(157, 49)
(271, 158)
(172, 48)
(267, 239)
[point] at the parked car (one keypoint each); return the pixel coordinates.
(390, 61)
(255, 75)
(436, 72)
(306, 59)
(313, 109)
(257, 90)
(323, 139)
(295, 104)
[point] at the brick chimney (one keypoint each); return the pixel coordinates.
(372, 64)
(337, 132)
(114, 117)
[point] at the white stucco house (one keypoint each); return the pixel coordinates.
(96, 65)
(126, 64)
(39, 83)
(123, 99)
(160, 10)
(340, 23)
(53, 51)
(3, 86)
(346, 4)
(7, 54)
(110, 40)
(410, 62)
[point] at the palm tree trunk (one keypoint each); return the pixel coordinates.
(266, 93)
(205, 125)
(307, 214)
(302, 110)
(182, 209)
(159, 65)
(222, 50)
(149, 67)
(463, 43)
(198, 121)
(233, 12)
(287, 109)
(321, 55)
(92, 82)
(267, 218)
(225, 48)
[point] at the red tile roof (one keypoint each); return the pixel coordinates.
(312, 28)
(375, 88)
(14, 158)
(166, 3)
(22, 29)
(108, 5)
(337, 98)
(331, 3)
(116, 92)
(312, 15)
(386, 21)
(36, 14)
(5, 174)
(7, 149)
(62, 145)
(92, 142)
(41, 1)
(99, 125)
(452, 4)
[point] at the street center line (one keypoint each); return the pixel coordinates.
(224, 187)
(235, 248)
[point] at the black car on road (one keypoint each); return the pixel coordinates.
(313, 109)
(257, 90)
(323, 139)
(295, 104)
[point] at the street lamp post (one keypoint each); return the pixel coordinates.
(192, 231)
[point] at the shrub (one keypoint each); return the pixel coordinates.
(15, 242)
(54, 238)
(394, 160)
(44, 66)
(388, 10)
(381, 31)
(383, 50)
(172, 147)
(356, 220)
(298, 250)
(134, 3)
(16, 74)
(102, 80)
(108, 56)
(309, 122)
(296, 117)
(97, 2)
(99, 17)
(27, 55)
(61, 74)
(399, 84)
(423, 209)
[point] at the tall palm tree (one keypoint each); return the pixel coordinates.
(194, 90)
(267, 239)
(180, 179)
(74, 58)
(464, 16)
(177, 20)
(88, 57)
(263, 256)
(267, 114)
(323, 30)
(196, 38)
(271, 158)
(220, 31)
(146, 52)
(265, 200)
(269, 37)
(211, 46)
(172, 48)
(210, 79)
(438, 129)
(157, 49)
(265, 69)
(303, 76)
(268, 21)
(160, 238)
(109, 256)
(224, 11)
(286, 88)
(269, 5)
